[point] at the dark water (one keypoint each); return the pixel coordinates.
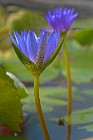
(32, 129)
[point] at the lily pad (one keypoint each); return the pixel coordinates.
(10, 105)
(83, 116)
(84, 37)
(21, 88)
(87, 127)
(11, 138)
(48, 97)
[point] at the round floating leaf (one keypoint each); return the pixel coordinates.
(82, 116)
(84, 37)
(21, 92)
(10, 105)
(21, 88)
(87, 127)
(11, 138)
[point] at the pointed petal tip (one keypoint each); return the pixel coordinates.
(11, 37)
(13, 40)
(47, 30)
(10, 34)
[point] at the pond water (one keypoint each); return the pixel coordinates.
(33, 131)
(81, 119)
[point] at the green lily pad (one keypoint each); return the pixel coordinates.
(80, 63)
(10, 105)
(49, 96)
(11, 138)
(88, 92)
(21, 88)
(84, 37)
(81, 116)
(87, 127)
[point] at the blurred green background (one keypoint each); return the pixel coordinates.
(79, 44)
(80, 49)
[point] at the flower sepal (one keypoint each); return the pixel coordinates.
(27, 63)
(63, 33)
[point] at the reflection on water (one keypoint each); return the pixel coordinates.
(68, 134)
(32, 130)
(77, 127)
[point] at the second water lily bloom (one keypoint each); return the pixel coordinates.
(61, 19)
(36, 52)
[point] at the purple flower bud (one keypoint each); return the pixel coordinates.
(61, 19)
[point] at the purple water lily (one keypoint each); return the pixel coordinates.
(37, 49)
(61, 19)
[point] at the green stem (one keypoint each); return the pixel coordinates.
(68, 78)
(38, 107)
